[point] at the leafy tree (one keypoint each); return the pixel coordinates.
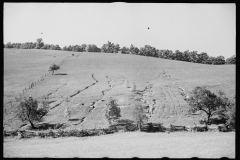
(69, 48)
(113, 112)
(124, 50)
(179, 55)
(83, 47)
(219, 60)
(210, 60)
(139, 114)
(28, 111)
(231, 112)
(40, 43)
(9, 45)
(133, 49)
(53, 68)
(93, 48)
(231, 60)
(65, 48)
(116, 48)
(108, 47)
(166, 54)
(52, 47)
(159, 53)
(148, 50)
(57, 47)
(201, 99)
(203, 57)
(186, 56)
(46, 46)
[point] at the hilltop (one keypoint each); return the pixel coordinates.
(86, 80)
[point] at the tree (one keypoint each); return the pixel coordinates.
(9, 45)
(65, 48)
(231, 60)
(46, 46)
(53, 68)
(83, 46)
(108, 48)
(40, 43)
(124, 50)
(219, 60)
(139, 114)
(113, 112)
(210, 60)
(116, 48)
(231, 113)
(92, 48)
(69, 48)
(201, 99)
(28, 111)
(186, 56)
(179, 55)
(203, 57)
(133, 49)
(57, 47)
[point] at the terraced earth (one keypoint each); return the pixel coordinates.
(78, 92)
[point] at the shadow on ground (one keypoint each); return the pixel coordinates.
(61, 74)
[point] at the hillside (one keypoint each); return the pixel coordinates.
(86, 80)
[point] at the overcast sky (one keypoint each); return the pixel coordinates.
(207, 28)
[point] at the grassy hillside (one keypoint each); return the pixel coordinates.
(86, 80)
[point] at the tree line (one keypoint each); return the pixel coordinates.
(147, 50)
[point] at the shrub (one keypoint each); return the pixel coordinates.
(53, 68)
(113, 112)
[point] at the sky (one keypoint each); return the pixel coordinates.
(202, 27)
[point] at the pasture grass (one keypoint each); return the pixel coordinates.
(127, 145)
(83, 78)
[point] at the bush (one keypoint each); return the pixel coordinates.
(54, 67)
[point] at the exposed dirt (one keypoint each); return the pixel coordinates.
(84, 83)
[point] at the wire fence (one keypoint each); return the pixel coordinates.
(21, 95)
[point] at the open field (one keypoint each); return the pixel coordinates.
(127, 145)
(86, 80)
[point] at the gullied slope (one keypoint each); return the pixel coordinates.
(78, 92)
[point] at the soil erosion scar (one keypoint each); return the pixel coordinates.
(85, 87)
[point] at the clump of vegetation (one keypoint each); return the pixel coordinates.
(231, 60)
(139, 115)
(53, 68)
(113, 112)
(202, 99)
(231, 113)
(28, 111)
(147, 50)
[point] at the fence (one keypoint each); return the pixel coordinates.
(32, 85)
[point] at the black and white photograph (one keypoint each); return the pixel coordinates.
(119, 80)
